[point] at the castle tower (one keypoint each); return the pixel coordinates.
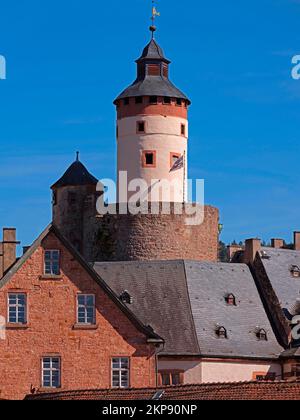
(152, 127)
(74, 198)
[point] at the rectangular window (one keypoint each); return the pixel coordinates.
(51, 372)
(52, 266)
(17, 310)
(182, 129)
(149, 159)
(120, 372)
(173, 158)
(167, 100)
(139, 100)
(140, 127)
(153, 100)
(126, 101)
(86, 309)
(178, 102)
(171, 378)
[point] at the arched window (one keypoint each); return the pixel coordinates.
(230, 299)
(221, 332)
(261, 335)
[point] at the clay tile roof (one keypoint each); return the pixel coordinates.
(76, 175)
(280, 390)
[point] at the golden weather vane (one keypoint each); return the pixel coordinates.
(155, 13)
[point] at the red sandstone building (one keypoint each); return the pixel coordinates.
(65, 328)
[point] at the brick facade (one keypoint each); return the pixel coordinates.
(85, 353)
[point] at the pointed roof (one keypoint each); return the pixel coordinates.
(150, 85)
(75, 175)
(153, 51)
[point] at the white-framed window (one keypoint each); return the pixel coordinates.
(52, 263)
(86, 309)
(17, 308)
(120, 372)
(51, 372)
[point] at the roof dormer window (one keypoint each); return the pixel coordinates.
(230, 299)
(221, 332)
(126, 298)
(261, 334)
(295, 271)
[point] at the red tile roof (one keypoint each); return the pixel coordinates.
(279, 390)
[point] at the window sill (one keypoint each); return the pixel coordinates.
(11, 326)
(50, 277)
(85, 327)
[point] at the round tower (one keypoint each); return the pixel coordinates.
(152, 129)
(74, 198)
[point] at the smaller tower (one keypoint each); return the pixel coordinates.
(74, 198)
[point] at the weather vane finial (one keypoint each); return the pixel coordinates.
(153, 17)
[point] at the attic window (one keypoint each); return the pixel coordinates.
(126, 298)
(295, 271)
(262, 335)
(221, 332)
(230, 299)
(126, 101)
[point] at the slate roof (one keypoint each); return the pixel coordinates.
(277, 267)
(184, 301)
(278, 390)
(152, 85)
(152, 336)
(76, 175)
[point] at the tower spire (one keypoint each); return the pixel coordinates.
(155, 13)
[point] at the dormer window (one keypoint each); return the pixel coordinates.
(126, 298)
(261, 335)
(230, 299)
(295, 271)
(264, 255)
(221, 332)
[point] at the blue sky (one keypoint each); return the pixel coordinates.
(67, 60)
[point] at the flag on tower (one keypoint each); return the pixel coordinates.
(178, 164)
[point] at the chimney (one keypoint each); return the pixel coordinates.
(232, 250)
(277, 243)
(8, 250)
(252, 246)
(297, 241)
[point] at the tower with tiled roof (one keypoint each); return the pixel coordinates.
(152, 126)
(74, 198)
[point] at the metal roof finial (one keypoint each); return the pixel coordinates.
(77, 156)
(153, 17)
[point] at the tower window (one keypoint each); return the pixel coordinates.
(149, 159)
(167, 100)
(140, 126)
(178, 102)
(54, 198)
(153, 99)
(126, 101)
(182, 129)
(153, 69)
(139, 100)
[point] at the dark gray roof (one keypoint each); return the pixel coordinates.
(153, 51)
(76, 175)
(184, 301)
(277, 266)
(146, 85)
